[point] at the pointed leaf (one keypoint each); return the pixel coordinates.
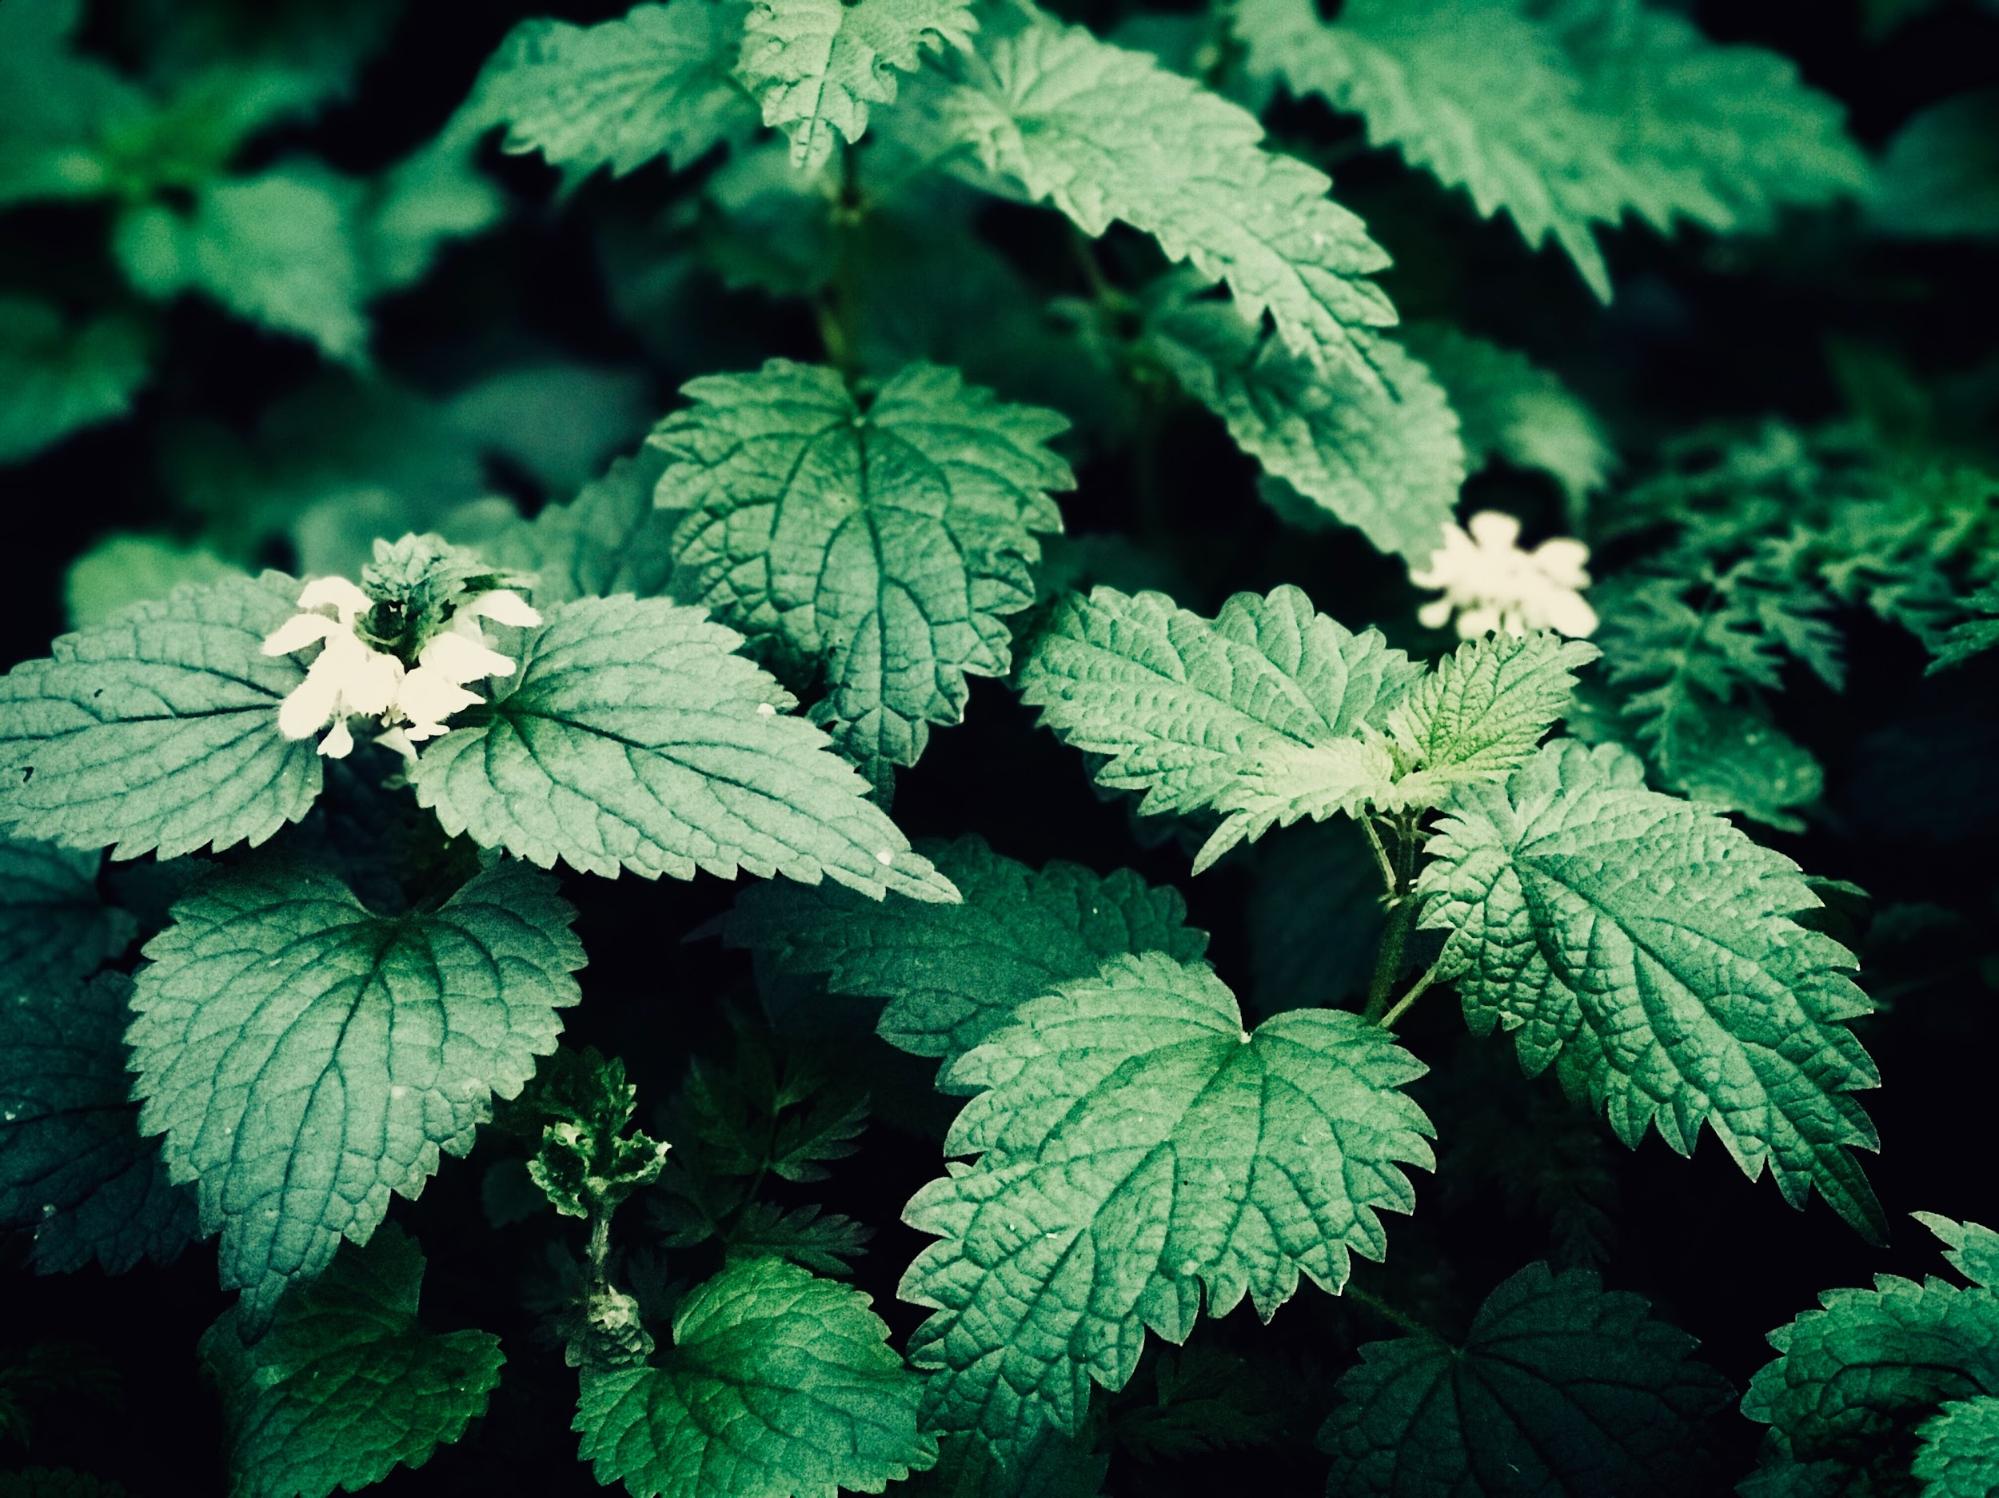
(307, 1058)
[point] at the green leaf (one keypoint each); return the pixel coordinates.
(1479, 714)
(1939, 177)
(1381, 454)
(1959, 1455)
(590, 1158)
(1182, 705)
(610, 539)
(62, 376)
(1288, 783)
(954, 973)
(1567, 114)
(1645, 949)
(1107, 135)
(306, 1058)
(73, 1169)
(890, 542)
(346, 1385)
(1052, 1466)
(1511, 409)
(823, 1242)
(1142, 1152)
(1855, 1379)
(657, 83)
(778, 1385)
(633, 737)
(127, 568)
(56, 105)
(1559, 1387)
(816, 65)
(54, 927)
(159, 730)
(282, 249)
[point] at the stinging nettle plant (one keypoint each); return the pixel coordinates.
(1449, 667)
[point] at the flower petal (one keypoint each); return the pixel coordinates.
(398, 740)
(339, 742)
(502, 606)
(298, 632)
(1435, 614)
(309, 704)
(428, 696)
(1494, 530)
(1563, 560)
(460, 659)
(1569, 614)
(348, 601)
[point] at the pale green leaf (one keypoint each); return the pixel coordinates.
(307, 1058)
(54, 926)
(1181, 704)
(1568, 114)
(952, 974)
(632, 736)
(56, 105)
(1646, 949)
(282, 249)
(816, 65)
(62, 376)
(1288, 783)
(657, 83)
(777, 1385)
(127, 568)
(1559, 1387)
(1511, 409)
(610, 539)
(1381, 454)
(346, 1385)
(1141, 1154)
(73, 1169)
(1107, 135)
(889, 541)
(1480, 712)
(159, 730)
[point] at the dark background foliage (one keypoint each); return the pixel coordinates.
(1699, 329)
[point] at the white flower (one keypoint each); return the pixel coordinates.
(346, 677)
(350, 678)
(1490, 583)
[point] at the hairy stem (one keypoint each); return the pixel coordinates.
(1401, 1005)
(1386, 1311)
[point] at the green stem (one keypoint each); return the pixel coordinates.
(600, 1248)
(1380, 854)
(1386, 1311)
(1388, 956)
(839, 312)
(1401, 1006)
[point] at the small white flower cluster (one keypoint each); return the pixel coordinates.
(1491, 583)
(350, 678)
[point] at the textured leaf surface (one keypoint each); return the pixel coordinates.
(1959, 1455)
(54, 927)
(1567, 114)
(306, 1058)
(1560, 1387)
(281, 249)
(609, 539)
(1511, 408)
(1291, 783)
(1140, 1153)
(1645, 949)
(634, 737)
(346, 1385)
(954, 973)
(73, 1168)
(889, 542)
(1182, 704)
(778, 1385)
(1104, 134)
(1855, 1378)
(160, 729)
(61, 377)
(1381, 454)
(657, 83)
(1479, 714)
(816, 65)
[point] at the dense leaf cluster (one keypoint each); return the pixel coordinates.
(767, 718)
